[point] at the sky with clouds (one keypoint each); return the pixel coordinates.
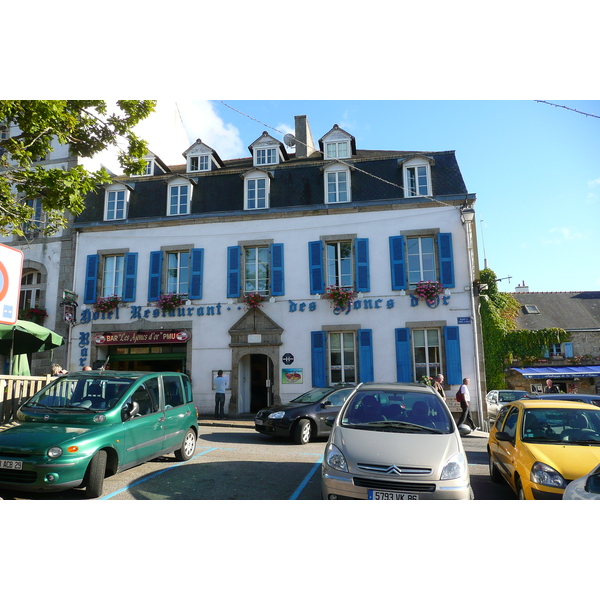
(534, 167)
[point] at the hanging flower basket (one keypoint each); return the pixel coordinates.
(338, 296)
(253, 299)
(107, 304)
(428, 290)
(35, 315)
(426, 380)
(168, 302)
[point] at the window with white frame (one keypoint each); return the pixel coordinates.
(339, 263)
(337, 185)
(178, 272)
(199, 163)
(116, 204)
(337, 149)
(417, 178)
(256, 192)
(426, 352)
(256, 269)
(113, 273)
(421, 259)
(31, 228)
(31, 290)
(342, 357)
(265, 156)
(179, 199)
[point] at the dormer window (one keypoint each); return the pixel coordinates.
(266, 156)
(337, 150)
(199, 163)
(149, 167)
(337, 183)
(337, 144)
(116, 202)
(179, 197)
(266, 150)
(256, 190)
(417, 176)
(200, 157)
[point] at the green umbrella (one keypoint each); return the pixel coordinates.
(20, 365)
(25, 337)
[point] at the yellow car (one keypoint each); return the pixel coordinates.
(540, 446)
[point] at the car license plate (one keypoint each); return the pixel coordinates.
(11, 464)
(258, 421)
(383, 495)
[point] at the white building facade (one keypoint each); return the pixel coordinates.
(289, 227)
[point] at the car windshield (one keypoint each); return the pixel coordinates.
(510, 396)
(79, 394)
(412, 412)
(313, 395)
(560, 426)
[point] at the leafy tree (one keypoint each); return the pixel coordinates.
(88, 127)
(502, 341)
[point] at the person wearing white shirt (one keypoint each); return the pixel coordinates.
(464, 398)
(220, 386)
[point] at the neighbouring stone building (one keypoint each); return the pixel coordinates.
(573, 366)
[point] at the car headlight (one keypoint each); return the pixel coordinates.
(335, 459)
(55, 452)
(455, 467)
(545, 475)
(277, 415)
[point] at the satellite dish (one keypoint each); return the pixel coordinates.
(289, 140)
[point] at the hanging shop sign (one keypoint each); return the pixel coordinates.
(141, 337)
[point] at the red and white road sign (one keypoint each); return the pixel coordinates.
(11, 271)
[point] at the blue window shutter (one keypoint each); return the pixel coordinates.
(397, 265)
(318, 358)
(546, 352)
(277, 278)
(155, 276)
(197, 272)
(130, 280)
(446, 259)
(317, 272)
(91, 279)
(361, 257)
(234, 265)
(365, 355)
(453, 364)
(404, 371)
(568, 349)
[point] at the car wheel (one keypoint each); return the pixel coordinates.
(188, 446)
(95, 475)
(495, 475)
(302, 432)
(519, 489)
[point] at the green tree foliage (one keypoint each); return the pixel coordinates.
(502, 341)
(88, 127)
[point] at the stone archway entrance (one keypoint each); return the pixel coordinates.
(255, 376)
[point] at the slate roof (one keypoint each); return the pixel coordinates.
(297, 182)
(568, 310)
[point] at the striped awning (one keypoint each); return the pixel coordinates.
(560, 372)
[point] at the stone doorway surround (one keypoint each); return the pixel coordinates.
(254, 333)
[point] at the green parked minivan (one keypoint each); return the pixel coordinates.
(85, 426)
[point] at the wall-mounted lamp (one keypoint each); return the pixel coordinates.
(467, 215)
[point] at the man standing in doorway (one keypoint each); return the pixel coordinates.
(220, 385)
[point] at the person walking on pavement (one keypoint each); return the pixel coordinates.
(220, 386)
(464, 398)
(438, 386)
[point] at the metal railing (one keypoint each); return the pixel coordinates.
(14, 390)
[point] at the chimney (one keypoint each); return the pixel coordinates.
(304, 141)
(522, 288)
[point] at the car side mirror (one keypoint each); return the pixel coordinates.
(502, 436)
(326, 403)
(329, 421)
(133, 410)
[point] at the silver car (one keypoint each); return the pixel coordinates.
(395, 441)
(496, 399)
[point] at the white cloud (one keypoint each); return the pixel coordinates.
(564, 234)
(594, 182)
